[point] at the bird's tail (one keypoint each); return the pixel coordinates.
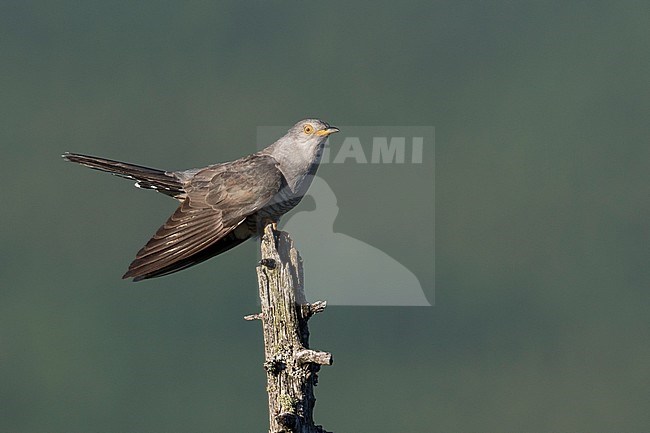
(148, 178)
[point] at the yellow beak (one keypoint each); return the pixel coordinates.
(327, 131)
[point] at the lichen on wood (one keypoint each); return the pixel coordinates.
(291, 366)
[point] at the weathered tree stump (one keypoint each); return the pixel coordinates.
(291, 366)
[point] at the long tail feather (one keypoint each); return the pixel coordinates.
(145, 177)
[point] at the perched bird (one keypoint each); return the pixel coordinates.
(223, 204)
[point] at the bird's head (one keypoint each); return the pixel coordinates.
(310, 133)
(302, 145)
(300, 149)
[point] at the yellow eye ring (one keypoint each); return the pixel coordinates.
(308, 129)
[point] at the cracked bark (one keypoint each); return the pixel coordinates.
(291, 366)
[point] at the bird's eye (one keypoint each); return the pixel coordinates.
(308, 129)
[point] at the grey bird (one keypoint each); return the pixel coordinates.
(224, 204)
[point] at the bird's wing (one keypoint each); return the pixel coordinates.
(219, 198)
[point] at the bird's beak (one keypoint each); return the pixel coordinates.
(327, 131)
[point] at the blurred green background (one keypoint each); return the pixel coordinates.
(540, 321)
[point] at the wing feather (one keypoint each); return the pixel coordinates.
(219, 199)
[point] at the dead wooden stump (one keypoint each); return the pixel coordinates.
(291, 366)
